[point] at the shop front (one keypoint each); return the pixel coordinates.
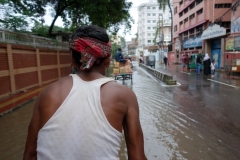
(214, 42)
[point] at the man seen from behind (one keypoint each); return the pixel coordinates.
(81, 116)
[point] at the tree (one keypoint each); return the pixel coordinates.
(162, 5)
(11, 20)
(108, 14)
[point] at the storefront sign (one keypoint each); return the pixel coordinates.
(192, 42)
(229, 44)
(213, 31)
(237, 43)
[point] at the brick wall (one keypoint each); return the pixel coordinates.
(23, 67)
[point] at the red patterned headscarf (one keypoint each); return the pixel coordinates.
(91, 50)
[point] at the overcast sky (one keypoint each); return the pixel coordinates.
(133, 12)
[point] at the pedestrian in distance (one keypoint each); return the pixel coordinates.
(81, 116)
(183, 62)
(199, 63)
(213, 66)
(206, 64)
(165, 60)
(187, 60)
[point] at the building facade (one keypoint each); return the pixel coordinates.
(150, 19)
(232, 42)
(200, 26)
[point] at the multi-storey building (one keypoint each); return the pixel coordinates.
(149, 16)
(200, 26)
(232, 42)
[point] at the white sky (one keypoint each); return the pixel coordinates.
(133, 13)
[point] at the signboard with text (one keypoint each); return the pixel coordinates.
(237, 43)
(192, 42)
(235, 20)
(229, 44)
(213, 31)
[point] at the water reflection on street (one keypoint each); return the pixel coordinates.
(176, 121)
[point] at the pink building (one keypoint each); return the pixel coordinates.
(200, 26)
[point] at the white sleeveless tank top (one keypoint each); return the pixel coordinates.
(79, 129)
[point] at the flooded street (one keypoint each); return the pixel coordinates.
(197, 120)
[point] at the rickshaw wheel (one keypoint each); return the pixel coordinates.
(227, 70)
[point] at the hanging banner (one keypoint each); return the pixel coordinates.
(229, 44)
(192, 42)
(213, 31)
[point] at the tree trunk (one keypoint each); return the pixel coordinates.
(52, 24)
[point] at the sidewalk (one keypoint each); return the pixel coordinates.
(12, 102)
(220, 76)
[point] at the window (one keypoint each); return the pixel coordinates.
(149, 34)
(148, 7)
(175, 10)
(148, 28)
(192, 6)
(148, 14)
(154, 14)
(225, 5)
(191, 32)
(181, 2)
(198, 1)
(180, 14)
(148, 21)
(154, 27)
(154, 21)
(185, 20)
(170, 18)
(153, 7)
(185, 10)
(153, 34)
(200, 11)
(192, 16)
(181, 23)
(175, 28)
(149, 41)
(199, 28)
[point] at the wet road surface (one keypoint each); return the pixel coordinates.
(198, 120)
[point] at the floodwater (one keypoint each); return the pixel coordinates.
(185, 122)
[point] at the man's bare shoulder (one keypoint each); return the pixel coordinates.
(115, 89)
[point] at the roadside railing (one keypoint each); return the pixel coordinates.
(7, 36)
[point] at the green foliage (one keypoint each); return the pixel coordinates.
(108, 14)
(115, 47)
(42, 30)
(156, 33)
(15, 23)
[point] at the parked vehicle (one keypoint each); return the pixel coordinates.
(150, 60)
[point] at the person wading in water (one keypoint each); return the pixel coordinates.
(81, 116)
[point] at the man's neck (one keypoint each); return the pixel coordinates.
(92, 74)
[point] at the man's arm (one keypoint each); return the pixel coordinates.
(30, 152)
(132, 130)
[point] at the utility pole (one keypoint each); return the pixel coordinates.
(161, 39)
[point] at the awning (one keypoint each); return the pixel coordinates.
(201, 22)
(186, 6)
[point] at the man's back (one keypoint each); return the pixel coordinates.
(81, 125)
(118, 56)
(105, 106)
(199, 59)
